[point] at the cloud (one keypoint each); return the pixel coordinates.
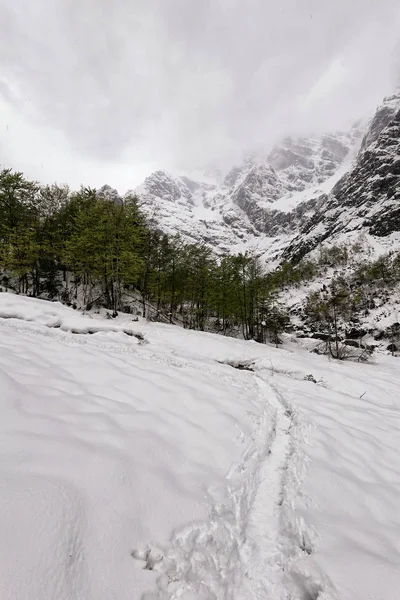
(107, 90)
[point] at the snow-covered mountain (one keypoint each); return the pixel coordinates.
(260, 202)
(283, 203)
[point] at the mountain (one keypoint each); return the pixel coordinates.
(181, 205)
(267, 197)
(284, 203)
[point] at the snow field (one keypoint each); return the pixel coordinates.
(159, 471)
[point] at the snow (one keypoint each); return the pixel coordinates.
(159, 471)
(201, 212)
(289, 202)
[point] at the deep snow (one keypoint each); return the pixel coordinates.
(156, 470)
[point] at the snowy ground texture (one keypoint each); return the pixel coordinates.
(133, 470)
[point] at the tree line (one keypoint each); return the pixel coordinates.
(82, 248)
(90, 251)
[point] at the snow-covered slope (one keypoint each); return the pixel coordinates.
(159, 471)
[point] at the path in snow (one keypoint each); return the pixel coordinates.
(267, 549)
(243, 550)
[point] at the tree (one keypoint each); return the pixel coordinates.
(104, 245)
(274, 320)
(329, 308)
(84, 245)
(18, 220)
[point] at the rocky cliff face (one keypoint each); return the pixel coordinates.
(188, 208)
(367, 198)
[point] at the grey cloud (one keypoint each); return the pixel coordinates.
(181, 82)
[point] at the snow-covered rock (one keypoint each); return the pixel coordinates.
(312, 160)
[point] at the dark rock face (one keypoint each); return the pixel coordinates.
(275, 222)
(382, 118)
(256, 195)
(262, 183)
(282, 158)
(334, 149)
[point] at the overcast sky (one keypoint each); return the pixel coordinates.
(97, 91)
